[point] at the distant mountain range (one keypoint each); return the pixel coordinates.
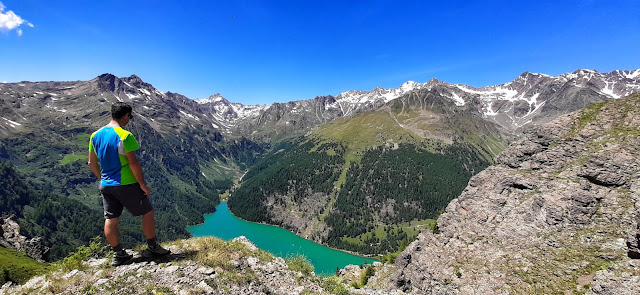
(530, 98)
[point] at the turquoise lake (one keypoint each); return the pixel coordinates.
(281, 242)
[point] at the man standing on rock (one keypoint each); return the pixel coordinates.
(112, 158)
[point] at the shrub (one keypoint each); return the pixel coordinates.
(75, 259)
(334, 285)
(368, 273)
(299, 263)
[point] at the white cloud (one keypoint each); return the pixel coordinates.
(11, 21)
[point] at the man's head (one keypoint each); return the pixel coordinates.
(120, 109)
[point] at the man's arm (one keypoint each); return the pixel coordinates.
(136, 168)
(94, 164)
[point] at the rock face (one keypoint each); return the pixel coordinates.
(10, 237)
(559, 213)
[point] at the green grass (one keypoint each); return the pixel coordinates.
(334, 285)
(299, 263)
(81, 140)
(363, 131)
(72, 158)
(587, 115)
(216, 252)
(182, 185)
(427, 129)
(18, 267)
(343, 175)
(412, 229)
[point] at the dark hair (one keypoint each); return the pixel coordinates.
(119, 109)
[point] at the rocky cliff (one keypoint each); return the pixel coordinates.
(559, 213)
(10, 237)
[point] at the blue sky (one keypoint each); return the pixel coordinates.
(276, 51)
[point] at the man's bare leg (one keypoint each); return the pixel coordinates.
(149, 225)
(111, 231)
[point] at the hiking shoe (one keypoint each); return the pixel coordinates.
(156, 250)
(121, 259)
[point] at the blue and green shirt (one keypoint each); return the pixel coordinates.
(111, 145)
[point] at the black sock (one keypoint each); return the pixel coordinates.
(152, 242)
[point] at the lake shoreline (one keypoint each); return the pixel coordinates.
(277, 240)
(375, 257)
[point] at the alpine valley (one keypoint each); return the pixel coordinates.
(364, 171)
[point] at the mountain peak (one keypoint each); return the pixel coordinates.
(216, 96)
(528, 77)
(106, 77)
(586, 71)
(215, 99)
(525, 74)
(409, 83)
(134, 78)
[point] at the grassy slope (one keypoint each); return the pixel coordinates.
(17, 267)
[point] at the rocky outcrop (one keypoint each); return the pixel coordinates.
(560, 213)
(201, 266)
(196, 266)
(10, 237)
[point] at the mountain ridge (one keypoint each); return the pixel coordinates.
(529, 98)
(520, 90)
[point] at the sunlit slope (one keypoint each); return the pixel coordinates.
(357, 183)
(424, 119)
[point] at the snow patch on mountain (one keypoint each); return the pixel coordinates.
(457, 99)
(608, 90)
(230, 110)
(145, 91)
(492, 93)
(189, 115)
(633, 75)
(11, 123)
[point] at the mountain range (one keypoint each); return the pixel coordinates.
(530, 98)
(194, 148)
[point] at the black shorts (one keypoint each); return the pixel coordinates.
(130, 196)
